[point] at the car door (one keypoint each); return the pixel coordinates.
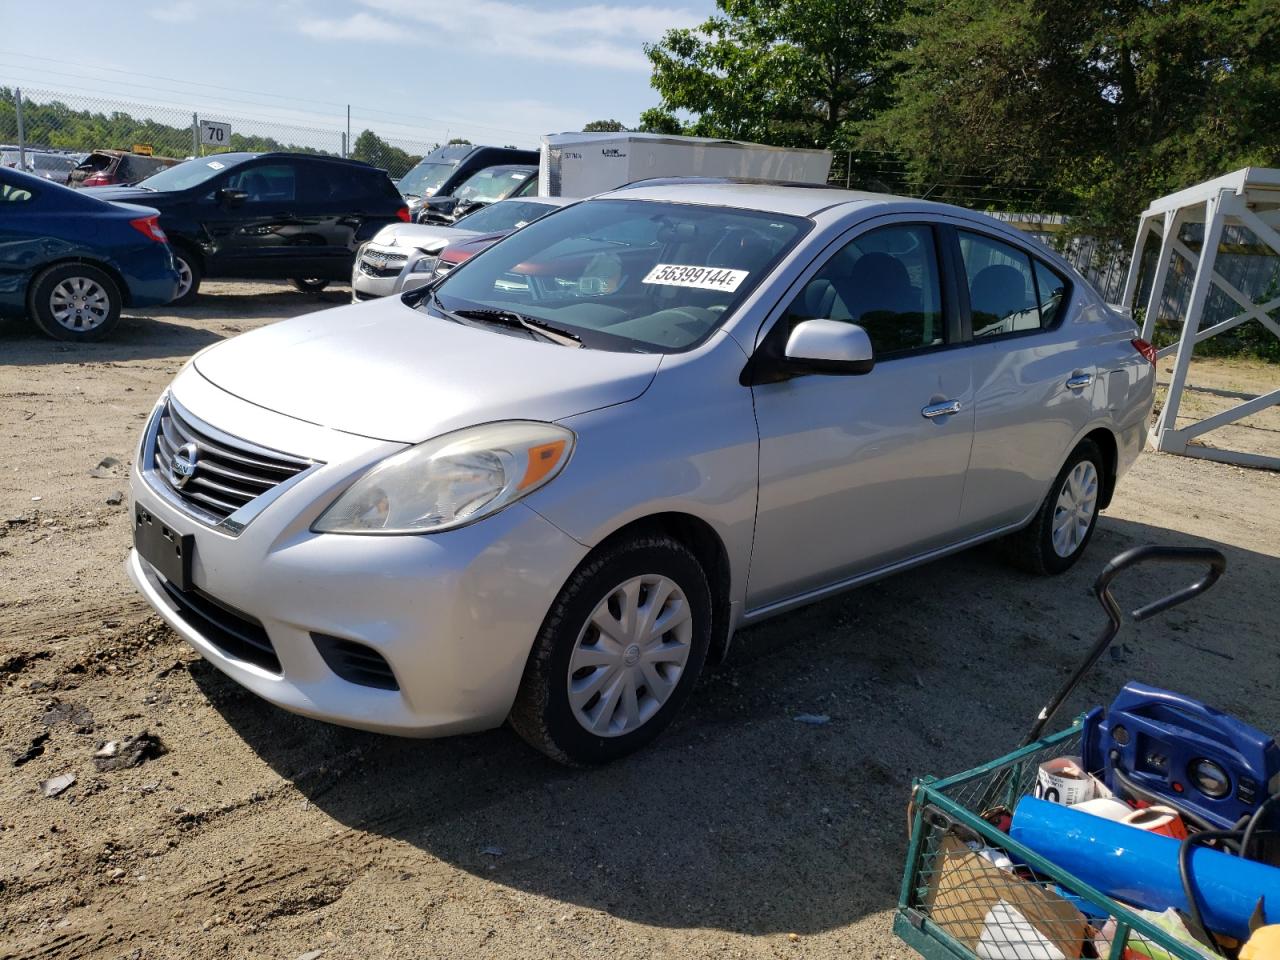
(1034, 380)
(262, 234)
(859, 472)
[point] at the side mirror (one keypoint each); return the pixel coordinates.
(830, 346)
(231, 198)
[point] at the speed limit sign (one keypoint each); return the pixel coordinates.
(215, 134)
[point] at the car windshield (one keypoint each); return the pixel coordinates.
(493, 184)
(191, 173)
(504, 216)
(425, 179)
(625, 274)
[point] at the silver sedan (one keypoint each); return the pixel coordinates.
(550, 486)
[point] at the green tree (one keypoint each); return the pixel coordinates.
(371, 148)
(1108, 105)
(604, 126)
(658, 120)
(787, 72)
(463, 140)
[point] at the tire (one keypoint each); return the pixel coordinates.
(556, 702)
(77, 302)
(309, 286)
(1053, 542)
(190, 272)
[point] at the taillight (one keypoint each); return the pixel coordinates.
(403, 214)
(96, 180)
(1146, 349)
(149, 227)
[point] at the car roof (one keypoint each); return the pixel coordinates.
(545, 201)
(505, 168)
(769, 196)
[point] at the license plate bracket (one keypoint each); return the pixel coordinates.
(165, 549)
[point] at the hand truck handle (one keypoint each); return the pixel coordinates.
(1131, 558)
(1217, 564)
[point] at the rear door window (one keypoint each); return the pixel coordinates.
(1002, 286)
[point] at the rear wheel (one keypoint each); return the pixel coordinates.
(309, 286)
(1063, 526)
(618, 654)
(190, 274)
(75, 301)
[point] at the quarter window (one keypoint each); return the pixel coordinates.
(886, 281)
(11, 193)
(1002, 287)
(1051, 290)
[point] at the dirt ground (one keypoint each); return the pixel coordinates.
(741, 833)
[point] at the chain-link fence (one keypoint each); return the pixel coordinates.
(44, 130)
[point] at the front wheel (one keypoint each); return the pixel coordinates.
(309, 286)
(75, 301)
(618, 654)
(1064, 524)
(190, 274)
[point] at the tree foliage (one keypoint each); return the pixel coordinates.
(604, 126)
(1110, 104)
(788, 72)
(372, 149)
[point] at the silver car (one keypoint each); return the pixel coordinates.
(404, 256)
(549, 487)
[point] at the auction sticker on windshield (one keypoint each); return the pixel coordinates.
(704, 278)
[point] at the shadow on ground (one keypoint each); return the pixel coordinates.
(741, 818)
(135, 338)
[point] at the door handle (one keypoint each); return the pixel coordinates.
(1079, 381)
(943, 409)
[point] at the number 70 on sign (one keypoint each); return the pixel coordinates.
(215, 134)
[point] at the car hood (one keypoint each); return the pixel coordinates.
(420, 235)
(391, 372)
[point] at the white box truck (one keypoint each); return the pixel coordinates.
(584, 164)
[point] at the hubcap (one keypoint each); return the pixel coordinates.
(1073, 514)
(184, 277)
(630, 655)
(79, 303)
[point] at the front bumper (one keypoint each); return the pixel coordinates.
(453, 614)
(365, 286)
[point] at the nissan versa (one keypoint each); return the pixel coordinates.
(548, 487)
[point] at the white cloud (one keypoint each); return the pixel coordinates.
(358, 26)
(596, 34)
(174, 12)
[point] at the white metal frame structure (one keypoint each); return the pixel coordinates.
(1248, 198)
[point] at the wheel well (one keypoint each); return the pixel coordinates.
(106, 268)
(190, 249)
(708, 548)
(1106, 442)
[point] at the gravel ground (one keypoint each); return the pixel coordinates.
(741, 833)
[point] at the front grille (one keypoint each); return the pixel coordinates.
(236, 634)
(226, 476)
(355, 663)
(382, 264)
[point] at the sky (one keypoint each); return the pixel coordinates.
(493, 71)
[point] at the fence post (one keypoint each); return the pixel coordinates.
(848, 168)
(195, 135)
(348, 147)
(22, 133)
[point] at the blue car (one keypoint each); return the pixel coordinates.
(70, 261)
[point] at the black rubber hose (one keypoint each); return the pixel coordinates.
(1188, 886)
(1246, 845)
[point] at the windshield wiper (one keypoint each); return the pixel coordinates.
(509, 318)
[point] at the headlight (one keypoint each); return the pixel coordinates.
(425, 265)
(452, 480)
